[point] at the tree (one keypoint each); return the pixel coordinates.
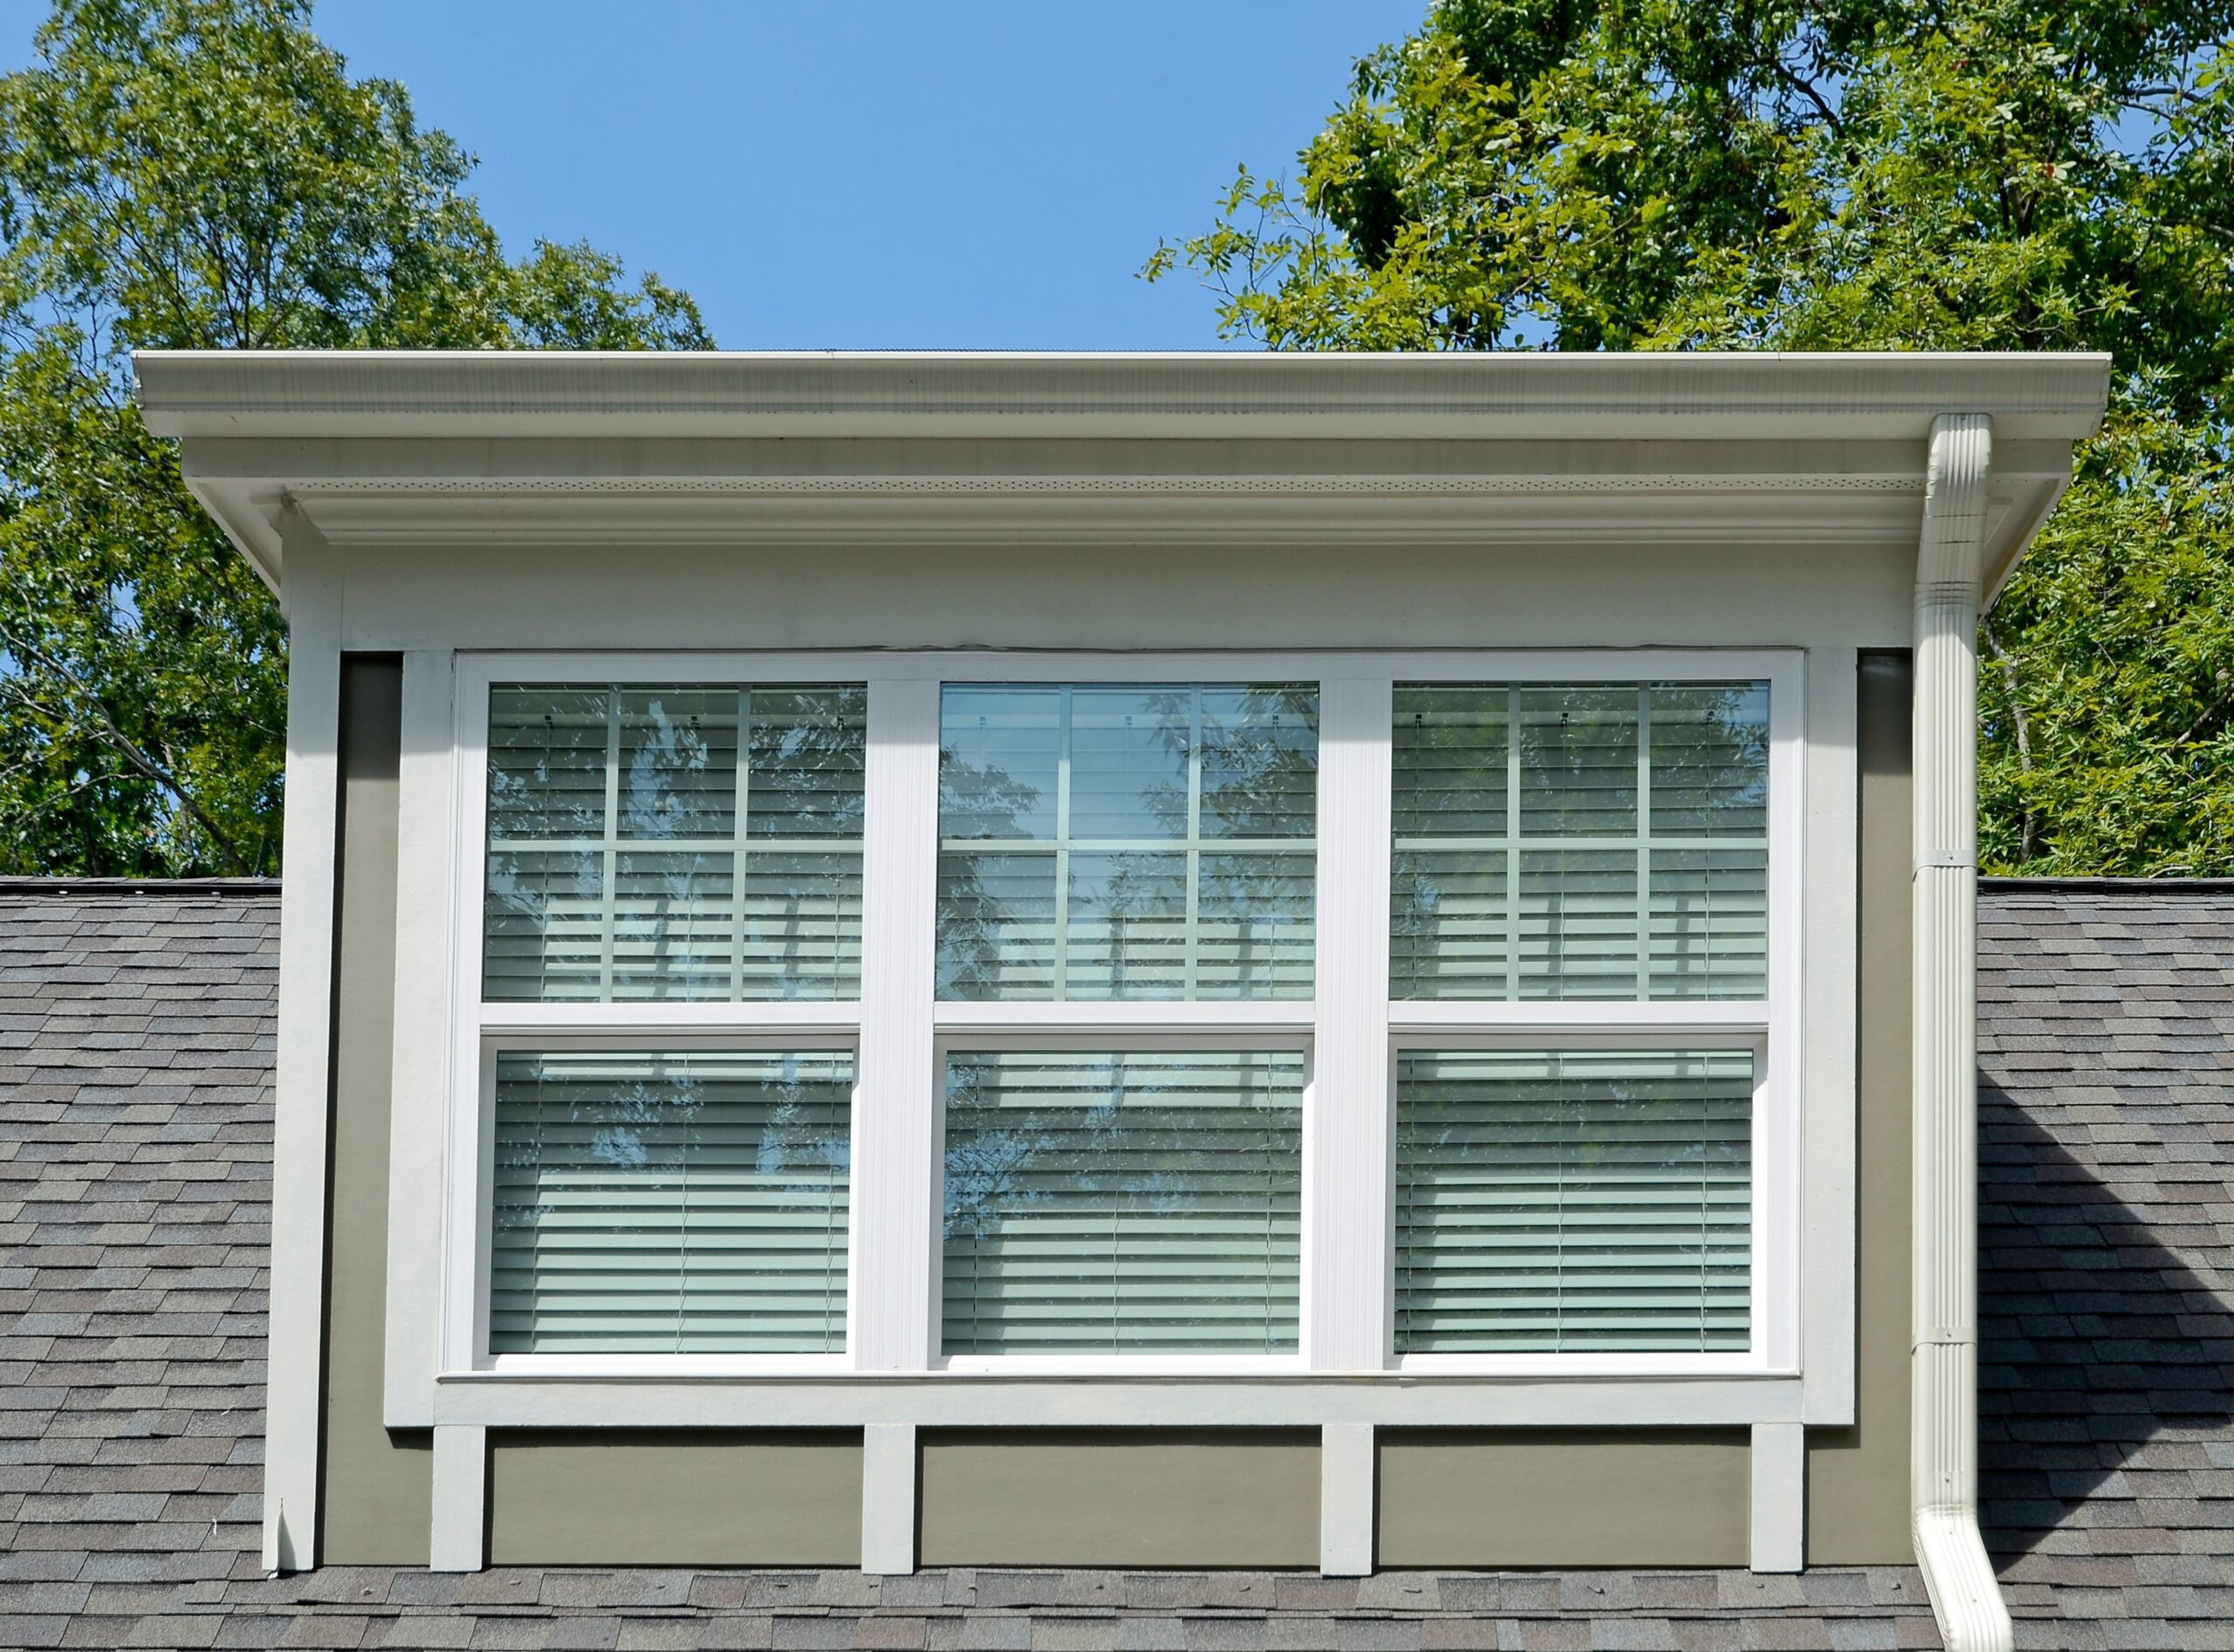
(1834, 174)
(180, 173)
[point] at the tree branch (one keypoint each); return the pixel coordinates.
(130, 749)
(2027, 829)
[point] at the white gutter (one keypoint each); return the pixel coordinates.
(1943, 1441)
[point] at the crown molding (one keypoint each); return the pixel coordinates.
(1040, 511)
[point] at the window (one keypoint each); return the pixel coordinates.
(1581, 842)
(674, 842)
(670, 1202)
(1114, 1203)
(1554, 1200)
(1108, 841)
(1141, 952)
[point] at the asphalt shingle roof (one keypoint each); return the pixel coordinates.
(135, 1048)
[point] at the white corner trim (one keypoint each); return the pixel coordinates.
(1778, 1518)
(888, 1499)
(1347, 1190)
(1943, 1440)
(425, 950)
(456, 1537)
(1348, 1491)
(1827, 1099)
(304, 1056)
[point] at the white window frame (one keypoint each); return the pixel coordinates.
(1351, 1032)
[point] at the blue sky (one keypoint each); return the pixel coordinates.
(980, 174)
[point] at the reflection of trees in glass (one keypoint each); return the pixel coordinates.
(1103, 910)
(980, 800)
(1474, 914)
(546, 762)
(1260, 762)
(1111, 1201)
(668, 754)
(1710, 759)
(654, 1158)
(807, 751)
(678, 754)
(1577, 761)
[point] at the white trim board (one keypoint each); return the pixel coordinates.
(303, 1061)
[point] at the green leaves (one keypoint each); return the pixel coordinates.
(205, 174)
(1842, 175)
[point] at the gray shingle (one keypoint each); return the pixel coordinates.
(135, 1046)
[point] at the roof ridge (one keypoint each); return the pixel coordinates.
(2023, 885)
(119, 888)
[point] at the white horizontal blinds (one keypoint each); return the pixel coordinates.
(632, 855)
(1709, 878)
(1595, 1201)
(1135, 1203)
(1127, 841)
(1580, 841)
(686, 1203)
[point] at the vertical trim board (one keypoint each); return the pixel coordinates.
(1348, 1468)
(303, 1062)
(888, 1459)
(457, 1540)
(1779, 1502)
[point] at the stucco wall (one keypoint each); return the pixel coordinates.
(1131, 597)
(1173, 1497)
(1120, 1496)
(632, 1497)
(1857, 1476)
(376, 1490)
(1563, 1497)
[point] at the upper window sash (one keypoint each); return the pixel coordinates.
(1602, 840)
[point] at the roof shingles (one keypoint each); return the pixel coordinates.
(135, 1046)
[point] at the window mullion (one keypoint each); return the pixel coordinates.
(1346, 1258)
(610, 864)
(897, 1179)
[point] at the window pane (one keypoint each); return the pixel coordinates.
(1573, 1202)
(997, 926)
(1137, 1204)
(1129, 752)
(1100, 841)
(670, 1203)
(1000, 757)
(1580, 841)
(632, 856)
(1578, 761)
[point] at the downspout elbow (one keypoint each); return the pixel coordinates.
(1942, 1467)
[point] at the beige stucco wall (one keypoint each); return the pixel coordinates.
(1102, 596)
(1120, 1496)
(1184, 1498)
(1563, 1497)
(377, 1484)
(636, 1497)
(1858, 1477)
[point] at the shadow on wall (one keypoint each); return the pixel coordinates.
(2101, 1349)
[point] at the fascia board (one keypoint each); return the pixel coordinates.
(1429, 396)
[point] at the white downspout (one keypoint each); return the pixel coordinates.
(1943, 1444)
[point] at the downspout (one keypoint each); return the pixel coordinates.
(1943, 1441)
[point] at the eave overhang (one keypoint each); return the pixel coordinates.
(637, 449)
